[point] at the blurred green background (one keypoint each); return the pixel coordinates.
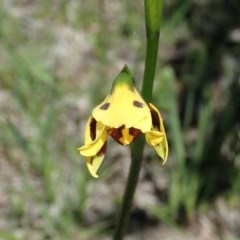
(57, 61)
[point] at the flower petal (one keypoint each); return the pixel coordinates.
(161, 151)
(95, 138)
(124, 135)
(93, 163)
(157, 136)
(143, 125)
(157, 121)
(154, 137)
(124, 106)
(157, 140)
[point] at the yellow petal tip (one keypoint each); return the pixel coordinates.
(164, 161)
(95, 176)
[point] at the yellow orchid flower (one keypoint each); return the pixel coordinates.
(123, 115)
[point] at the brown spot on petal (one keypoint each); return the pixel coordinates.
(93, 125)
(155, 118)
(105, 106)
(134, 132)
(116, 133)
(102, 150)
(138, 104)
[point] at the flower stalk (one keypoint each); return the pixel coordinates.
(153, 14)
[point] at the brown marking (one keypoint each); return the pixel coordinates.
(137, 104)
(134, 132)
(102, 150)
(100, 153)
(155, 118)
(105, 106)
(116, 133)
(93, 125)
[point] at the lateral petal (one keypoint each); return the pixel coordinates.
(95, 138)
(157, 136)
(161, 151)
(93, 163)
(154, 137)
(157, 121)
(157, 140)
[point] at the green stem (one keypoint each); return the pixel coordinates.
(131, 184)
(153, 13)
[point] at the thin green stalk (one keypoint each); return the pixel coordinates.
(153, 13)
(137, 156)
